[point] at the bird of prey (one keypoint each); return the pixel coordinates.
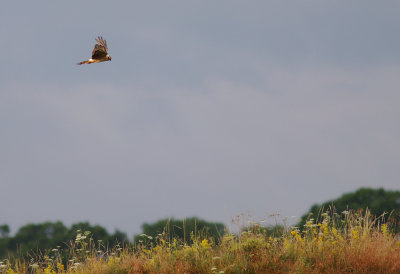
(99, 53)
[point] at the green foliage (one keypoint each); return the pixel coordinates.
(99, 233)
(32, 236)
(36, 238)
(40, 238)
(378, 202)
(4, 231)
(179, 229)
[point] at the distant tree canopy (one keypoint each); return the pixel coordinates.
(4, 231)
(378, 202)
(38, 238)
(180, 229)
(49, 235)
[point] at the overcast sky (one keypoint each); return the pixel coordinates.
(208, 108)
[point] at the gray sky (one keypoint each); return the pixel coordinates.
(208, 108)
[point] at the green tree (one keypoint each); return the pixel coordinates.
(4, 231)
(4, 239)
(99, 233)
(378, 201)
(37, 238)
(180, 229)
(33, 237)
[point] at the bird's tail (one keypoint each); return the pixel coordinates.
(83, 62)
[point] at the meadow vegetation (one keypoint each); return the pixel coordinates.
(346, 242)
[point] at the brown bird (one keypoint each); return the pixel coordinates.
(99, 53)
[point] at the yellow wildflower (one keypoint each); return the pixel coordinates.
(205, 244)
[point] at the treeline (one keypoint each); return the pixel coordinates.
(383, 204)
(185, 230)
(34, 238)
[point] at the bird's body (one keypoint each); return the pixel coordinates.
(99, 53)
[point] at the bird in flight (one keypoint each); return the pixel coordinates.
(99, 53)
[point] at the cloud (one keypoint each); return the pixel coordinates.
(304, 136)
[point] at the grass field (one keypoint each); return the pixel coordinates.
(350, 242)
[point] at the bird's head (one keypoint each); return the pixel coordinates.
(108, 57)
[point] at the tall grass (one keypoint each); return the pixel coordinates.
(350, 242)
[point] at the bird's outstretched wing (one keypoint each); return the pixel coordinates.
(99, 53)
(100, 49)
